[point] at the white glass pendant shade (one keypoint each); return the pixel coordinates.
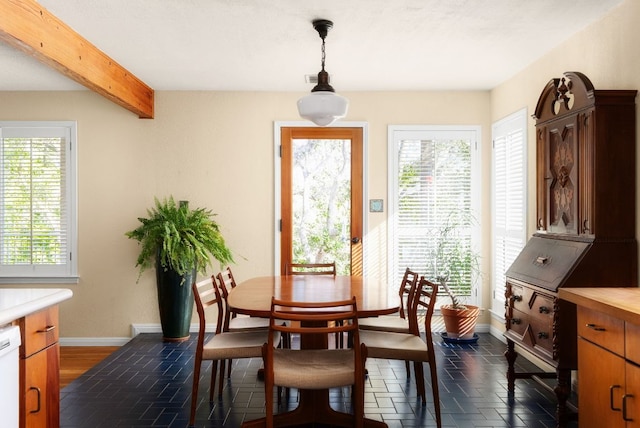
(323, 107)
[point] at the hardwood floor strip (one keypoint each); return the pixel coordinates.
(76, 360)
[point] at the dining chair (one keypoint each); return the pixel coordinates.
(310, 268)
(396, 323)
(233, 322)
(223, 345)
(315, 369)
(411, 346)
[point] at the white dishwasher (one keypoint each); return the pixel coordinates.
(10, 385)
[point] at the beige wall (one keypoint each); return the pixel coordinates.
(606, 52)
(214, 149)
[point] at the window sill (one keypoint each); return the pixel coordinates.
(39, 280)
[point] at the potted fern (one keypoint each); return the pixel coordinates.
(179, 242)
(455, 263)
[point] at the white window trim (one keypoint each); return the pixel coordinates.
(515, 121)
(417, 132)
(71, 275)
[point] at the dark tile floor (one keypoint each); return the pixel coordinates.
(147, 383)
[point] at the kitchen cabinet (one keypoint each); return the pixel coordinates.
(608, 326)
(39, 369)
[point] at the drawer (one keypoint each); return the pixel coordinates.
(601, 329)
(518, 322)
(39, 330)
(632, 342)
(528, 300)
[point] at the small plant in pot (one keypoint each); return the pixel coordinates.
(455, 264)
(179, 242)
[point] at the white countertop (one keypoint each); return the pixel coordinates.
(17, 302)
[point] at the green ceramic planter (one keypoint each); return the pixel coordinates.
(175, 301)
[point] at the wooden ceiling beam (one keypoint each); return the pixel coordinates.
(29, 27)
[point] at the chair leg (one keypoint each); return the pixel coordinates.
(194, 390)
(436, 392)
(214, 373)
(221, 380)
(407, 367)
(419, 372)
(229, 368)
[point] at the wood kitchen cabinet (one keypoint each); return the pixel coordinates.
(608, 325)
(39, 370)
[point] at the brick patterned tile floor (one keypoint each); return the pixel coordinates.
(147, 383)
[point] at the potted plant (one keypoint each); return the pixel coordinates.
(179, 242)
(455, 264)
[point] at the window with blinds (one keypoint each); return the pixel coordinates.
(37, 201)
(509, 199)
(433, 204)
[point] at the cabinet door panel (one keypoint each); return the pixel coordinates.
(632, 399)
(601, 385)
(40, 406)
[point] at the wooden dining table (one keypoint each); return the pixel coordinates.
(253, 297)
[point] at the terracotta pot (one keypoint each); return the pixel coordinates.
(460, 323)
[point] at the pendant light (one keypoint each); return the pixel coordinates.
(323, 106)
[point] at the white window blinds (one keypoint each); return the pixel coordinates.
(509, 199)
(37, 198)
(432, 189)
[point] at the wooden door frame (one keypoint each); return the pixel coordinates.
(278, 182)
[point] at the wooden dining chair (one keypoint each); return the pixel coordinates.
(411, 346)
(396, 323)
(310, 268)
(223, 345)
(233, 322)
(315, 369)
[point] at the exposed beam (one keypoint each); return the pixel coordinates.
(29, 27)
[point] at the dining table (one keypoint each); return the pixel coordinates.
(253, 297)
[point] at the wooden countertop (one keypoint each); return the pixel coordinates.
(622, 303)
(16, 303)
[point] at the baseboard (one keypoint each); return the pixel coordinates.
(136, 329)
(94, 341)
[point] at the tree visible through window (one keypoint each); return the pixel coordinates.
(37, 194)
(322, 202)
(433, 224)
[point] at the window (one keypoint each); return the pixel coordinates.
(37, 202)
(509, 199)
(434, 173)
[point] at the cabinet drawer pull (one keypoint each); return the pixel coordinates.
(515, 298)
(543, 335)
(516, 321)
(38, 391)
(47, 329)
(624, 407)
(611, 388)
(596, 328)
(543, 310)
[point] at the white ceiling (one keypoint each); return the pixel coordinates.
(271, 45)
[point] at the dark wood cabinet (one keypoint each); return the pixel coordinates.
(585, 205)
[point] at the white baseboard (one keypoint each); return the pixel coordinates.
(136, 329)
(93, 341)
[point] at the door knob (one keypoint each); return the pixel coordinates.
(355, 240)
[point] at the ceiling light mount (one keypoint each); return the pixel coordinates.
(323, 106)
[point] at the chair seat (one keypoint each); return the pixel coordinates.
(313, 368)
(248, 323)
(394, 346)
(388, 323)
(240, 344)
